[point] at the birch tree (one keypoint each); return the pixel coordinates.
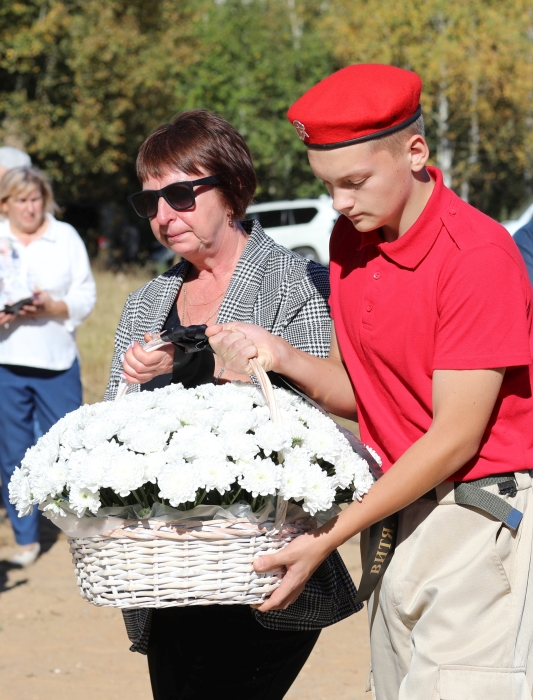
(475, 60)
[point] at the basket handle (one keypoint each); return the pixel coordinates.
(268, 391)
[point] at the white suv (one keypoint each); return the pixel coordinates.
(302, 225)
(524, 217)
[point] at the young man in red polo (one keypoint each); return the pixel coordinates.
(432, 349)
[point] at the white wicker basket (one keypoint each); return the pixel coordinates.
(150, 564)
(154, 565)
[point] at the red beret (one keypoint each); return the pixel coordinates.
(355, 104)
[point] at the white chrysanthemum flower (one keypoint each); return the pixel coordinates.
(206, 391)
(292, 482)
(186, 443)
(212, 446)
(261, 415)
(177, 403)
(237, 422)
(64, 452)
(375, 455)
(41, 485)
(99, 429)
(86, 469)
(124, 470)
(297, 457)
(363, 479)
(72, 437)
(54, 508)
(323, 443)
(296, 430)
(287, 400)
(346, 467)
(153, 463)
(319, 490)
(57, 477)
(20, 492)
(272, 438)
(178, 483)
(206, 417)
(192, 443)
(237, 398)
(260, 477)
(81, 500)
(215, 474)
(168, 421)
(141, 400)
(144, 436)
(241, 446)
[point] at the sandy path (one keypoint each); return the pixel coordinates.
(54, 645)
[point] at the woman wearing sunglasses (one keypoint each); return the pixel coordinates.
(198, 179)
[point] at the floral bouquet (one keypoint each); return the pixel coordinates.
(168, 457)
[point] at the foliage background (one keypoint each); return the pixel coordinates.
(82, 82)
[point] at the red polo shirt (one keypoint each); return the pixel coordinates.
(451, 293)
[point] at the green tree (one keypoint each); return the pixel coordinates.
(475, 61)
(83, 83)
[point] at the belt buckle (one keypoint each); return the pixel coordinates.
(508, 488)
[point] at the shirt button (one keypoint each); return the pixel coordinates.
(369, 307)
(453, 212)
(377, 275)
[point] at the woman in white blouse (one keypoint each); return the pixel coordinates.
(43, 262)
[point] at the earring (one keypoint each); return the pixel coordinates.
(231, 221)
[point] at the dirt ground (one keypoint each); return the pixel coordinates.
(54, 645)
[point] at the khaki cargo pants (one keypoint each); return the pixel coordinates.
(453, 616)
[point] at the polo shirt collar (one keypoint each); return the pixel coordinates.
(410, 249)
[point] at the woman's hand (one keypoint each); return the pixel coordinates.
(237, 343)
(141, 366)
(43, 305)
(6, 319)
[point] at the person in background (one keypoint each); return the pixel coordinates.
(43, 262)
(12, 158)
(524, 240)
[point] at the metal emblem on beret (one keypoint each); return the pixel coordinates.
(300, 128)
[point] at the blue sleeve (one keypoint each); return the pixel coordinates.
(524, 240)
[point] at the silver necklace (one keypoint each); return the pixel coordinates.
(186, 306)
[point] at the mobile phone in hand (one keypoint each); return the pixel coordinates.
(17, 306)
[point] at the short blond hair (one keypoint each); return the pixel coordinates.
(19, 181)
(395, 142)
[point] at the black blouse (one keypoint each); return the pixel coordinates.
(191, 369)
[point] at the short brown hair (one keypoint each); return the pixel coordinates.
(394, 142)
(18, 181)
(197, 139)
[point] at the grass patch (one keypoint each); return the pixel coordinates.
(96, 335)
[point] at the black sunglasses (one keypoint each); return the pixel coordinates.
(180, 196)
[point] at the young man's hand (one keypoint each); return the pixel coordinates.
(300, 558)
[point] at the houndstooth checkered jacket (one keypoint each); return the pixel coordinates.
(277, 289)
